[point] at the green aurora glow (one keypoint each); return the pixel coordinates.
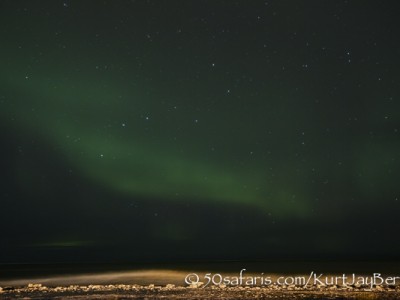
(125, 158)
(199, 123)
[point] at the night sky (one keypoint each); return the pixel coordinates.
(199, 130)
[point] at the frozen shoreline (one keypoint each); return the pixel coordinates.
(170, 284)
(170, 291)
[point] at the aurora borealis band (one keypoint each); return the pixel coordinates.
(141, 130)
